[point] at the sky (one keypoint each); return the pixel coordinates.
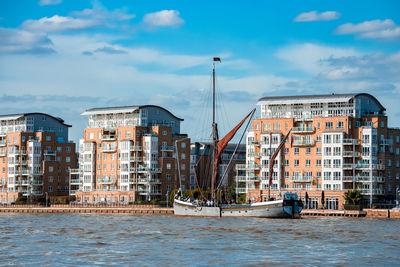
(62, 57)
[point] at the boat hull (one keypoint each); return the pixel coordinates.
(263, 210)
(183, 209)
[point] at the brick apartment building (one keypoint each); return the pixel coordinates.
(338, 142)
(35, 157)
(129, 153)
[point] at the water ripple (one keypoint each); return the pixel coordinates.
(90, 239)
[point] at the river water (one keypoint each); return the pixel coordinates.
(136, 240)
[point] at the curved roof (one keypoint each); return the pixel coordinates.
(319, 98)
(19, 115)
(123, 109)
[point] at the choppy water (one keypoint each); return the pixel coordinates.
(80, 239)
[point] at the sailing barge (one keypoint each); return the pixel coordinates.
(289, 206)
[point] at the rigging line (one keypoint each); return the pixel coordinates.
(237, 146)
(197, 182)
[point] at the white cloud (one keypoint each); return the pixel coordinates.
(104, 14)
(315, 16)
(374, 29)
(21, 41)
(166, 18)
(49, 2)
(310, 57)
(58, 24)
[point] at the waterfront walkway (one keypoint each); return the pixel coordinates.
(131, 209)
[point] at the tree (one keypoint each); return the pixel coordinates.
(353, 197)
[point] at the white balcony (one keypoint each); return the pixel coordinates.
(248, 167)
(241, 190)
(300, 179)
(76, 181)
(106, 181)
(109, 149)
(135, 148)
(351, 154)
(378, 192)
(351, 142)
(303, 129)
(303, 142)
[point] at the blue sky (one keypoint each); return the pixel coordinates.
(62, 57)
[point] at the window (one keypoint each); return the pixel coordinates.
(50, 179)
(277, 126)
(296, 150)
(286, 163)
(23, 138)
(68, 159)
(308, 162)
(59, 149)
(68, 149)
(183, 167)
(15, 139)
(339, 125)
(328, 125)
(51, 168)
(318, 152)
(168, 177)
(112, 156)
(183, 156)
(50, 189)
(128, 134)
(91, 136)
(267, 127)
(318, 163)
(168, 166)
(105, 156)
(164, 132)
(105, 167)
(287, 150)
(183, 145)
(382, 124)
(296, 163)
(48, 138)
(98, 156)
(308, 150)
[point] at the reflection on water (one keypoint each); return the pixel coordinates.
(87, 239)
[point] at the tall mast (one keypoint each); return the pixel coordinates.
(214, 134)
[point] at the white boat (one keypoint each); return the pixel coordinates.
(287, 207)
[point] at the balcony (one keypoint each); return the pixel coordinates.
(351, 154)
(109, 149)
(303, 129)
(244, 178)
(367, 179)
(253, 143)
(146, 169)
(303, 142)
(49, 153)
(135, 159)
(304, 179)
(378, 192)
(76, 181)
(347, 178)
(75, 171)
(167, 148)
(351, 142)
(155, 192)
(37, 182)
(3, 142)
(106, 181)
(135, 148)
(110, 137)
(254, 154)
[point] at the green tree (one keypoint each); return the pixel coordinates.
(353, 197)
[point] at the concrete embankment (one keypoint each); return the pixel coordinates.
(78, 209)
(368, 213)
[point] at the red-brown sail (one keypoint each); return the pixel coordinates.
(221, 144)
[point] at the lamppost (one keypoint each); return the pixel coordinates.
(46, 197)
